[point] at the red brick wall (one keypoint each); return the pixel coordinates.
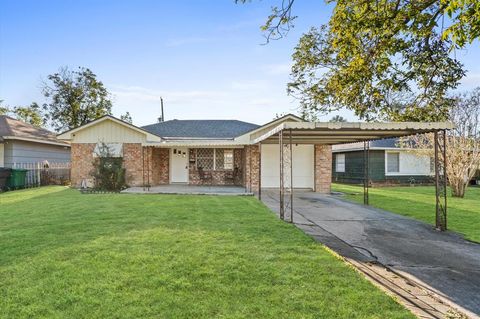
(155, 171)
(160, 166)
(252, 167)
(133, 162)
(323, 168)
(82, 162)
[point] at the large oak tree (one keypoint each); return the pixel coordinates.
(383, 59)
(75, 97)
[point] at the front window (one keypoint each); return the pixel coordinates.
(393, 162)
(228, 159)
(214, 159)
(340, 163)
(205, 158)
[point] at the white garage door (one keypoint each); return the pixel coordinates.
(303, 174)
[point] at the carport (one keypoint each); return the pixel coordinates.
(288, 134)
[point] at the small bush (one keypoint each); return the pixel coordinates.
(108, 171)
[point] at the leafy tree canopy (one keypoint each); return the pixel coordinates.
(126, 117)
(380, 58)
(338, 118)
(75, 97)
(31, 114)
(3, 109)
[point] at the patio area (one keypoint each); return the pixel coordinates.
(190, 190)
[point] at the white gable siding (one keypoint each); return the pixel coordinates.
(109, 132)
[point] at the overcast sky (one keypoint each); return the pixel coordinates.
(204, 57)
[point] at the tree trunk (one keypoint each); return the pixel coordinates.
(458, 188)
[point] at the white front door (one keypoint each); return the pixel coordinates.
(179, 165)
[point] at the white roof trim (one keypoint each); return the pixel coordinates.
(280, 119)
(396, 128)
(196, 143)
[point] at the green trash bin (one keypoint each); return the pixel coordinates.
(17, 178)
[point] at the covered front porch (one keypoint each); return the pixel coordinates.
(178, 166)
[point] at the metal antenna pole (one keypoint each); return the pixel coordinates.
(163, 114)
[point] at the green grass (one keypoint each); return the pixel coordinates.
(419, 202)
(67, 255)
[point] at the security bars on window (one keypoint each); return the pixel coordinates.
(214, 159)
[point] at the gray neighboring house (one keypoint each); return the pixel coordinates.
(388, 164)
(24, 143)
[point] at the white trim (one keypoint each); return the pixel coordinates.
(376, 130)
(288, 117)
(197, 144)
(35, 140)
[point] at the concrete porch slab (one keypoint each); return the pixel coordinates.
(183, 189)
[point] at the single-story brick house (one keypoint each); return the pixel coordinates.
(388, 164)
(197, 152)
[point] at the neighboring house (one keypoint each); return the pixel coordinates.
(195, 152)
(388, 164)
(24, 143)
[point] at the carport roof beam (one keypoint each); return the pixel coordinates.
(346, 132)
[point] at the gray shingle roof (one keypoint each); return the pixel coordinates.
(379, 144)
(15, 128)
(387, 142)
(221, 129)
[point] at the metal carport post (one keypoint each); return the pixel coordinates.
(366, 168)
(340, 133)
(441, 180)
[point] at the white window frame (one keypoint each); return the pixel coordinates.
(399, 164)
(339, 169)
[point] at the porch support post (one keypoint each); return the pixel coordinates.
(149, 163)
(440, 145)
(366, 177)
(291, 177)
(143, 167)
(281, 191)
(260, 171)
(250, 169)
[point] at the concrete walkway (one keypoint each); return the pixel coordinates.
(442, 262)
(189, 190)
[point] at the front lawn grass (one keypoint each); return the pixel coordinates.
(67, 255)
(418, 202)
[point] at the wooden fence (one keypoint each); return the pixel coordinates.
(42, 173)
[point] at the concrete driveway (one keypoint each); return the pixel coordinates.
(442, 261)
